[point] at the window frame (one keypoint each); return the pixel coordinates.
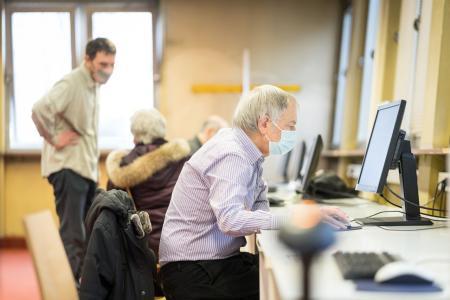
(10, 9)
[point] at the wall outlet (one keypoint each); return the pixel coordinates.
(442, 176)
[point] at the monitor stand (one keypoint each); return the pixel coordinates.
(408, 183)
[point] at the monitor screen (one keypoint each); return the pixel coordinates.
(381, 147)
(310, 164)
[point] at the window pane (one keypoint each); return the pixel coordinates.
(131, 85)
(39, 60)
(366, 84)
(342, 77)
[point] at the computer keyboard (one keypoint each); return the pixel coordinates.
(361, 265)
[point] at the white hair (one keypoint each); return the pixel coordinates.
(215, 122)
(263, 100)
(147, 125)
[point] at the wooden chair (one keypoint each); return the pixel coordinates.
(52, 267)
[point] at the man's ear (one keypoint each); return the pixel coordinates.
(263, 124)
(87, 60)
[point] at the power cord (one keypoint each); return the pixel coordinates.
(397, 211)
(436, 195)
(412, 203)
(417, 229)
(425, 214)
(380, 212)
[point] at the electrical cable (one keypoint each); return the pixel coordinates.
(412, 203)
(431, 200)
(425, 214)
(417, 229)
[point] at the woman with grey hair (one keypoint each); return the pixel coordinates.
(150, 170)
(220, 198)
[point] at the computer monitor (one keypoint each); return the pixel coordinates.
(301, 160)
(310, 164)
(285, 167)
(388, 149)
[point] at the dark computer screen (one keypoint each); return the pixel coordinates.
(381, 147)
(285, 170)
(301, 160)
(310, 165)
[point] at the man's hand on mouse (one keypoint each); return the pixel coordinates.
(335, 217)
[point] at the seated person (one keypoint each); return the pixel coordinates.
(208, 130)
(150, 170)
(220, 198)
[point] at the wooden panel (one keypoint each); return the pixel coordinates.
(2, 137)
(436, 131)
(49, 257)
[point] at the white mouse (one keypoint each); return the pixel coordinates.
(403, 272)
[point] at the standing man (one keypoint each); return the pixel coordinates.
(67, 118)
(220, 197)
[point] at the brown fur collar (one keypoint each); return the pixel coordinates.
(145, 166)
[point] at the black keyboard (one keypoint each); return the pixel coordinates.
(361, 265)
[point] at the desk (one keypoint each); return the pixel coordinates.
(280, 268)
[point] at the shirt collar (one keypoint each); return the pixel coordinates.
(253, 153)
(87, 75)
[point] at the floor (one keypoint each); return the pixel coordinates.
(17, 278)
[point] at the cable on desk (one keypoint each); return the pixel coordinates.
(433, 218)
(435, 197)
(380, 212)
(418, 229)
(412, 203)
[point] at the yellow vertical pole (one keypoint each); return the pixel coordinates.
(2, 134)
(436, 113)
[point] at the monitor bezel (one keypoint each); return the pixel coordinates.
(391, 150)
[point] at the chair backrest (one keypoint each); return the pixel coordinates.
(49, 257)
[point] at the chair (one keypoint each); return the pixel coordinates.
(50, 261)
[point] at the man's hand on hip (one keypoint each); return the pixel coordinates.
(66, 138)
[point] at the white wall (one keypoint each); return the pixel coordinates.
(290, 42)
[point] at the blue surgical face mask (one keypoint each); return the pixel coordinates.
(285, 144)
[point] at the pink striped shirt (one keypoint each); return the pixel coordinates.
(218, 199)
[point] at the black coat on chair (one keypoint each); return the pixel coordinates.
(117, 264)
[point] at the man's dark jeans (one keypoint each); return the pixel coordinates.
(73, 197)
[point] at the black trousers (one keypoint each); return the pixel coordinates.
(73, 196)
(236, 277)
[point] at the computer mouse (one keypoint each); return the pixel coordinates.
(275, 200)
(402, 272)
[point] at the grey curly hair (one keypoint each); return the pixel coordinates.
(147, 125)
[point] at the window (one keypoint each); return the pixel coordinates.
(39, 60)
(366, 83)
(342, 77)
(131, 85)
(44, 42)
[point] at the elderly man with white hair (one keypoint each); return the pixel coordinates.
(150, 170)
(209, 128)
(220, 198)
